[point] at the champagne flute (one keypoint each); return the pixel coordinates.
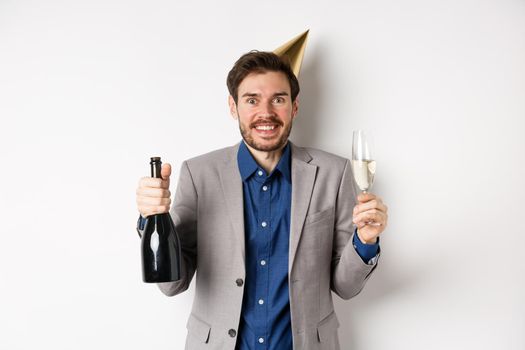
(363, 162)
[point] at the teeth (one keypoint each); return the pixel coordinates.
(265, 127)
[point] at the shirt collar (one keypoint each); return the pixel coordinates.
(284, 163)
(248, 165)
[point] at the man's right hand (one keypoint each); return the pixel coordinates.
(153, 194)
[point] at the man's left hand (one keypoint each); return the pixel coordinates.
(370, 217)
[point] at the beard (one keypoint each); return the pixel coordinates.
(246, 133)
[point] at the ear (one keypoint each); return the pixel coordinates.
(233, 107)
(295, 107)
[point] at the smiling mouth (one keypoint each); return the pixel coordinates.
(266, 131)
(265, 127)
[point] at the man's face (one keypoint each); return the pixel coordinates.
(265, 110)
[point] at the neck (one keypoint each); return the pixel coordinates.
(267, 160)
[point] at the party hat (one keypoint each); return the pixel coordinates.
(293, 51)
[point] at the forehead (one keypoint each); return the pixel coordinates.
(266, 82)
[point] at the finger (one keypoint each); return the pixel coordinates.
(370, 228)
(150, 182)
(153, 192)
(373, 204)
(370, 216)
(151, 201)
(365, 197)
(152, 210)
(365, 217)
(153, 182)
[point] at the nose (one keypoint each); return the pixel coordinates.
(266, 110)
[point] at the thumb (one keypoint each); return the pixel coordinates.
(165, 171)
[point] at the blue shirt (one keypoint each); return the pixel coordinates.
(265, 316)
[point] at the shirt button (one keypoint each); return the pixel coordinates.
(232, 333)
(260, 173)
(263, 224)
(261, 301)
(239, 282)
(263, 262)
(261, 340)
(265, 188)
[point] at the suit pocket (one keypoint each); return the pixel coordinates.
(198, 329)
(327, 328)
(319, 216)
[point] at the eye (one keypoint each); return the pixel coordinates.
(251, 101)
(278, 100)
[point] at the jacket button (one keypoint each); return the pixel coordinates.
(232, 333)
(239, 282)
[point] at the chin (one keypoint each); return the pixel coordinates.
(268, 146)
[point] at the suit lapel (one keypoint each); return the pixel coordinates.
(232, 189)
(303, 179)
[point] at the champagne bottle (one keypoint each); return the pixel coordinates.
(161, 252)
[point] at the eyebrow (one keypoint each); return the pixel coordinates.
(253, 94)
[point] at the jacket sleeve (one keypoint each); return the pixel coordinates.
(184, 215)
(349, 271)
(141, 223)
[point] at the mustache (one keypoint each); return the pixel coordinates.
(273, 120)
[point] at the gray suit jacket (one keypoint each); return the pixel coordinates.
(208, 213)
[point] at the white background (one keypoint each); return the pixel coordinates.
(89, 90)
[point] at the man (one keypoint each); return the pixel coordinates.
(267, 225)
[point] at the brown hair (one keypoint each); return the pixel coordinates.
(260, 62)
